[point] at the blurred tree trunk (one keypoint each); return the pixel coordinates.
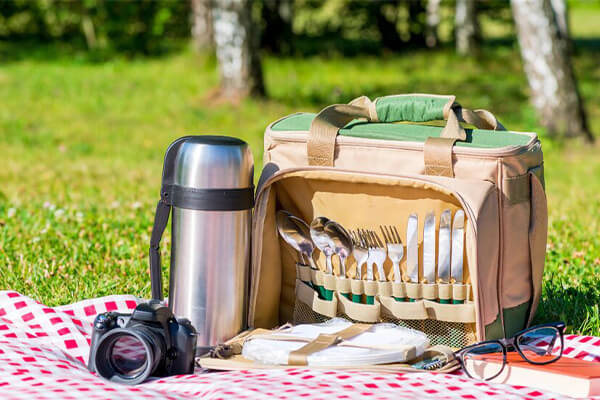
(562, 18)
(202, 27)
(89, 32)
(546, 60)
(432, 22)
(236, 45)
(277, 29)
(466, 26)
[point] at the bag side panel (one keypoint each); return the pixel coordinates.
(516, 281)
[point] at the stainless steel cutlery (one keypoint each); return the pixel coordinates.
(342, 243)
(458, 232)
(429, 248)
(377, 253)
(395, 249)
(361, 255)
(322, 240)
(360, 252)
(412, 249)
(444, 248)
(291, 232)
(377, 256)
(368, 247)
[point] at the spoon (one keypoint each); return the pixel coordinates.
(308, 249)
(289, 231)
(341, 241)
(324, 243)
(322, 240)
(306, 245)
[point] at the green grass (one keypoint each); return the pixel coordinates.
(82, 146)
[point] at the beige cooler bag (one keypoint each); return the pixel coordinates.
(353, 164)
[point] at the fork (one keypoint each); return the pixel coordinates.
(395, 250)
(365, 238)
(361, 254)
(377, 256)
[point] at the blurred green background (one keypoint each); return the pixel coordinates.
(85, 120)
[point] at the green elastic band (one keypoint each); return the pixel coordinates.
(320, 291)
(458, 302)
(444, 301)
(400, 299)
(357, 298)
(328, 294)
(370, 299)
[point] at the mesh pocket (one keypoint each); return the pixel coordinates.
(303, 314)
(453, 334)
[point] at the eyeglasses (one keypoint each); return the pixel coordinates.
(536, 345)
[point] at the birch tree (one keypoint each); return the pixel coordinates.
(236, 46)
(202, 30)
(547, 64)
(432, 22)
(466, 26)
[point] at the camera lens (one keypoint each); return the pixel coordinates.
(129, 355)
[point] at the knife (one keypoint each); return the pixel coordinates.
(429, 248)
(412, 249)
(444, 246)
(458, 233)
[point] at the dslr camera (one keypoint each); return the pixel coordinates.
(129, 348)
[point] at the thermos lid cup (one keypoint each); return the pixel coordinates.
(209, 173)
(206, 162)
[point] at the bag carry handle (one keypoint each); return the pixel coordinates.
(406, 107)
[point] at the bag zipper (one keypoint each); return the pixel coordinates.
(279, 175)
(285, 136)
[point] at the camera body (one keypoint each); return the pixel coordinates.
(129, 348)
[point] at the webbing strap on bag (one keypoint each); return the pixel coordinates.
(438, 156)
(324, 129)
(413, 107)
(323, 341)
(538, 235)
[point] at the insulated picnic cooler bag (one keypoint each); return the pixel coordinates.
(372, 163)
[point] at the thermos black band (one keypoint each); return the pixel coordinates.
(195, 199)
(209, 199)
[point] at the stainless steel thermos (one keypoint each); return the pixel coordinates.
(207, 182)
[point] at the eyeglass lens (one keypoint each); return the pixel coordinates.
(539, 345)
(484, 361)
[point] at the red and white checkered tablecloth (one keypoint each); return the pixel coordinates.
(43, 351)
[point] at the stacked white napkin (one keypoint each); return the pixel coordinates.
(392, 342)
